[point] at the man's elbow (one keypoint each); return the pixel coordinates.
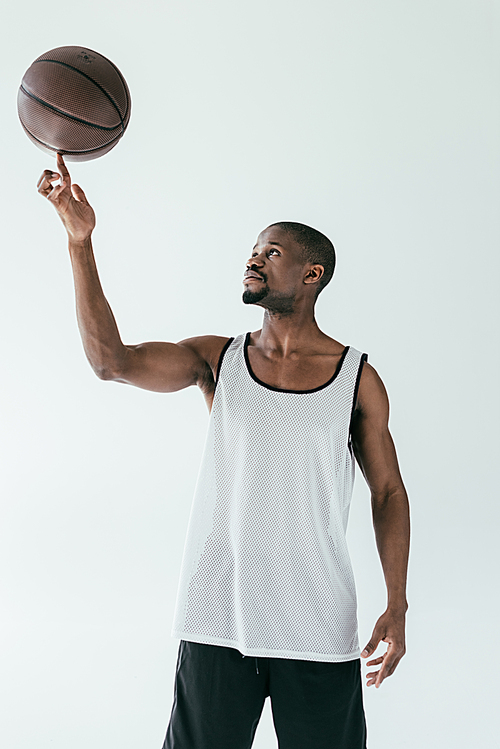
(390, 496)
(105, 372)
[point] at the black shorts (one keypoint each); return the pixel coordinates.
(219, 696)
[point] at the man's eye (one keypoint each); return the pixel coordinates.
(273, 250)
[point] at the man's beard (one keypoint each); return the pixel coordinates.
(252, 297)
(275, 304)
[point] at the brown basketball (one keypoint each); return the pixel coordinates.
(74, 101)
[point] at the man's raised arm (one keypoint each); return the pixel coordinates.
(164, 367)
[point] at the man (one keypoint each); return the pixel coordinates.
(266, 603)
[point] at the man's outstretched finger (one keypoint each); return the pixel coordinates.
(63, 169)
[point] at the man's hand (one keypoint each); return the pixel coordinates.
(389, 628)
(69, 201)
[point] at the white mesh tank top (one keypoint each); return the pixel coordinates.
(266, 568)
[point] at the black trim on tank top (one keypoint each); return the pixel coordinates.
(283, 390)
(364, 357)
(221, 357)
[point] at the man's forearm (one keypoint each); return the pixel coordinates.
(391, 521)
(101, 339)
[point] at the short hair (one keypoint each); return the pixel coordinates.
(316, 248)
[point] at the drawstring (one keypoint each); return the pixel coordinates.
(256, 665)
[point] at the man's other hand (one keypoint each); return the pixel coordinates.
(390, 628)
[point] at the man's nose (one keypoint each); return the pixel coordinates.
(255, 260)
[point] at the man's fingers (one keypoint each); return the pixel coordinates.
(376, 661)
(373, 644)
(63, 169)
(54, 194)
(45, 175)
(79, 194)
(393, 656)
(381, 675)
(392, 669)
(389, 629)
(44, 183)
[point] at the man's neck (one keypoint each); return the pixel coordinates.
(284, 335)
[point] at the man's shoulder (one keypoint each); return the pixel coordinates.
(205, 344)
(209, 348)
(372, 395)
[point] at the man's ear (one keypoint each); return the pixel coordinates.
(314, 274)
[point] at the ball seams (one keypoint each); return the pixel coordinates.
(65, 114)
(108, 96)
(65, 152)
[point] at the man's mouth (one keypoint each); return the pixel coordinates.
(249, 276)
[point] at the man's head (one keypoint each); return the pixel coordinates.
(288, 262)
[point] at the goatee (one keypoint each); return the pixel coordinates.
(278, 304)
(252, 297)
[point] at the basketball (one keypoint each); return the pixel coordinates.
(74, 101)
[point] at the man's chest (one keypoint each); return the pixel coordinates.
(294, 374)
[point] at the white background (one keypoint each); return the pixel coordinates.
(378, 124)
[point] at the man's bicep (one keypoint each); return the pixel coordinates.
(372, 441)
(162, 367)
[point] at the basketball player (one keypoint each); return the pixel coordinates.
(266, 604)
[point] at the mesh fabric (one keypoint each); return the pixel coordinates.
(266, 567)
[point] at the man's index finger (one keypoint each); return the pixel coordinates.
(62, 165)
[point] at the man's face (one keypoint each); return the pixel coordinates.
(273, 275)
